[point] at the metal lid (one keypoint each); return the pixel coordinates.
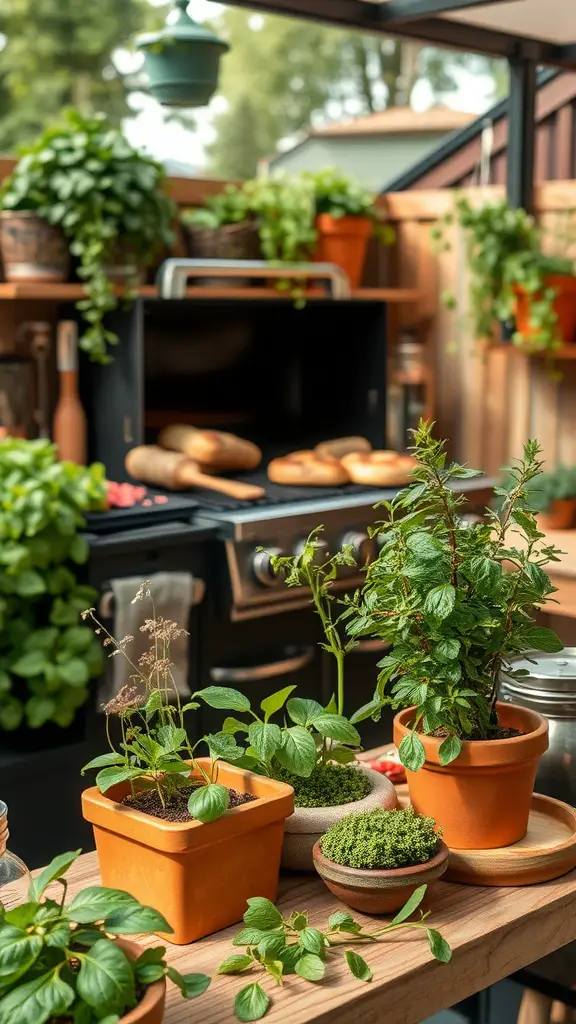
(182, 30)
(553, 672)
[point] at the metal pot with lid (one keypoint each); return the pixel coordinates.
(550, 688)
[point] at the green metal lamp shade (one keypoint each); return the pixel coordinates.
(182, 61)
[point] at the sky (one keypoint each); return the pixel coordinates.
(151, 128)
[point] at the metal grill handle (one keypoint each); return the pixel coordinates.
(173, 275)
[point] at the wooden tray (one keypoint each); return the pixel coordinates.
(547, 851)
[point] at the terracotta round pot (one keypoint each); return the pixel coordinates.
(378, 892)
(32, 249)
(150, 1009)
(343, 241)
(559, 516)
(303, 829)
(564, 306)
(482, 799)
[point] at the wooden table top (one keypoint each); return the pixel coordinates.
(493, 932)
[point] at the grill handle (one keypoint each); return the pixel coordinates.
(173, 275)
(295, 662)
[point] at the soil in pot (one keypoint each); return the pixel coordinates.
(564, 306)
(176, 809)
(343, 241)
(481, 799)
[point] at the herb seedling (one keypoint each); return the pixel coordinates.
(441, 593)
(279, 946)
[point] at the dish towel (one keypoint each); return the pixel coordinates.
(173, 594)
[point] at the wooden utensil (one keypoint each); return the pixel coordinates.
(342, 446)
(69, 427)
(211, 449)
(150, 464)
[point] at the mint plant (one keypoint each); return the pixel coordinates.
(455, 600)
(275, 946)
(58, 960)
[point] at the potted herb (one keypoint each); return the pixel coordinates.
(457, 601)
(63, 960)
(107, 199)
(552, 496)
(314, 751)
(346, 218)
(374, 861)
(512, 277)
(170, 826)
(47, 657)
(223, 228)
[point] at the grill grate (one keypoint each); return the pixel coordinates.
(276, 494)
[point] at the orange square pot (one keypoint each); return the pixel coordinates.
(197, 875)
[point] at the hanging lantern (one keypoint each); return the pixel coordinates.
(182, 61)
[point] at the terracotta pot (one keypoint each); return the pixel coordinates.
(378, 892)
(304, 828)
(343, 241)
(199, 876)
(564, 306)
(150, 1009)
(482, 799)
(32, 249)
(559, 516)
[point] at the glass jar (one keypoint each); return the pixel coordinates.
(14, 875)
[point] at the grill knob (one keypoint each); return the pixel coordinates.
(363, 547)
(262, 567)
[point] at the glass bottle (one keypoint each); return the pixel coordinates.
(14, 875)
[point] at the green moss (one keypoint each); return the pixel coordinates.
(381, 840)
(328, 786)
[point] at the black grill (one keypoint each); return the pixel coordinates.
(276, 494)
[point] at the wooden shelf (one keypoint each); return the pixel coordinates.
(32, 291)
(566, 352)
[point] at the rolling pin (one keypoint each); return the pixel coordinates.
(342, 446)
(212, 449)
(150, 464)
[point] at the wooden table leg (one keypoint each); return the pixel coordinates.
(534, 1008)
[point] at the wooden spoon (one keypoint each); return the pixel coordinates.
(153, 465)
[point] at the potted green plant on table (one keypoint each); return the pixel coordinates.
(223, 228)
(375, 860)
(457, 601)
(64, 961)
(106, 198)
(512, 277)
(47, 657)
(314, 751)
(346, 219)
(170, 826)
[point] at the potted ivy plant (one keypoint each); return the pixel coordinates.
(68, 960)
(314, 749)
(375, 860)
(107, 199)
(513, 277)
(170, 826)
(222, 228)
(457, 601)
(346, 217)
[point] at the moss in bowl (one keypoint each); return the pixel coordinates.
(330, 785)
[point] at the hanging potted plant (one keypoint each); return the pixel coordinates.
(107, 199)
(169, 826)
(457, 602)
(374, 861)
(314, 751)
(67, 960)
(346, 218)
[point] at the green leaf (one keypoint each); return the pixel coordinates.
(233, 725)
(235, 964)
(147, 974)
(153, 704)
(290, 957)
(299, 921)
(171, 737)
(272, 945)
(135, 919)
(304, 712)
(275, 968)
(265, 738)
(18, 951)
(103, 761)
(447, 650)
(106, 980)
(155, 955)
(312, 940)
(39, 710)
(36, 1001)
(74, 672)
(224, 698)
(79, 550)
(207, 803)
(412, 904)
(262, 914)
(310, 967)
(223, 745)
(343, 922)
(29, 584)
(44, 639)
(29, 665)
(113, 776)
(449, 749)
(438, 946)
(342, 755)
(539, 638)
(190, 985)
(358, 966)
(440, 601)
(59, 935)
(249, 937)
(54, 870)
(411, 752)
(298, 751)
(336, 727)
(97, 902)
(275, 701)
(251, 1003)
(20, 916)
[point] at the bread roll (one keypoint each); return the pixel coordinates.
(343, 446)
(379, 468)
(213, 450)
(307, 469)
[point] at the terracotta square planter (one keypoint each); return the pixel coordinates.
(199, 876)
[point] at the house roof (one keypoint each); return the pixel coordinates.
(397, 120)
